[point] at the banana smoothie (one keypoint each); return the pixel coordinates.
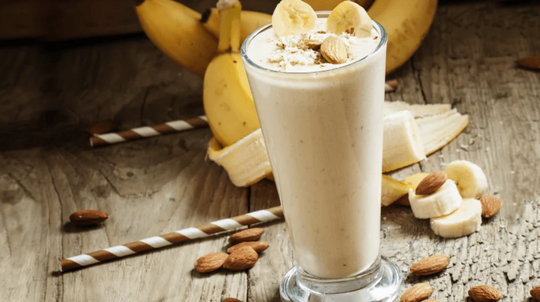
(318, 86)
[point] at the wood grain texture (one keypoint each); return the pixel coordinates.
(50, 96)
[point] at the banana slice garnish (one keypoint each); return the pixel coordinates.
(470, 179)
(443, 202)
(462, 222)
(351, 18)
(293, 17)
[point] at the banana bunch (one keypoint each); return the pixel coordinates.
(191, 39)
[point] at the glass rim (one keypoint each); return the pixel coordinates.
(245, 57)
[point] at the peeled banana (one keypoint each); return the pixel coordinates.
(227, 98)
(466, 220)
(402, 144)
(249, 22)
(175, 29)
(406, 23)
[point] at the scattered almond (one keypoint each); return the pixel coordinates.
(490, 206)
(430, 265)
(484, 293)
(535, 293)
(416, 293)
(246, 235)
(211, 262)
(231, 300)
(258, 246)
(334, 50)
(104, 127)
(88, 217)
(241, 259)
(431, 183)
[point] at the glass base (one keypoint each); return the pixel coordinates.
(379, 283)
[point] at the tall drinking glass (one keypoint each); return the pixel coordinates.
(324, 134)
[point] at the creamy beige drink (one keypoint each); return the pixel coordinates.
(322, 124)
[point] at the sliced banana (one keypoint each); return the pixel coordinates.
(402, 143)
(462, 222)
(470, 179)
(443, 202)
(246, 161)
(351, 18)
(293, 17)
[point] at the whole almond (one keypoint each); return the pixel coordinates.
(211, 262)
(104, 127)
(241, 259)
(484, 293)
(231, 300)
(490, 206)
(430, 265)
(431, 183)
(535, 293)
(416, 293)
(246, 235)
(313, 44)
(88, 217)
(334, 50)
(258, 246)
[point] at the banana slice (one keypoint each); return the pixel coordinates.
(412, 181)
(462, 222)
(293, 17)
(351, 18)
(470, 179)
(246, 161)
(443, 202)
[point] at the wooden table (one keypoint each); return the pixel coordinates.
(50, 95)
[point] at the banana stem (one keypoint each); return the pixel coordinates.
(229, 33)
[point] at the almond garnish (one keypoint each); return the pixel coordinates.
(88, 217)
(430, 265)
(241, 259)
(490, 206)
(246, 235)
(431, 183)
(313, 44)
(535, 293)
(334, 50)
(211, 262)
(417, 293)
(484, 293)
(258, 246)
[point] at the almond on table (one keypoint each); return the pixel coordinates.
(211, 262)
(484, 293)
(242, 259)
(88, 217)
(430, 265)
(417, 293)
(258, 246)
(246, 235)
(490, 206)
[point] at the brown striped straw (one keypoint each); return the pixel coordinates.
(160, 241)
(142, 132)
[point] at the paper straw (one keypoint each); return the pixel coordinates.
(160, 241)
(138, 133)
(390, 86)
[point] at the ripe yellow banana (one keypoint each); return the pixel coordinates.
(319, 5)
(406, 23)
(176, 30)
(250, 21)
(228, 102)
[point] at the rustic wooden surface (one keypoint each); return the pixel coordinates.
(50, 95)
